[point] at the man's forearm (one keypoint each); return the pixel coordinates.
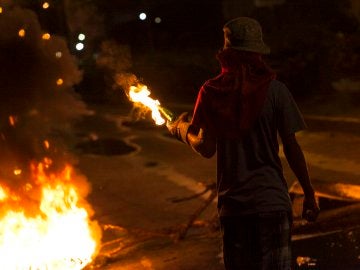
(297, 163)
(200, 144)
(198, 140)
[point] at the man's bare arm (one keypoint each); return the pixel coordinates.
(297, 163)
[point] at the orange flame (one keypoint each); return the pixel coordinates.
(3, 194)
(61, 236)
(141, 95)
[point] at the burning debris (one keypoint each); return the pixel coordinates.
(57, 235)
(45, 221)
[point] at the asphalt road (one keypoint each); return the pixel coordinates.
(138, 172)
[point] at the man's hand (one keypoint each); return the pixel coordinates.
(179, 127)
(310, 209)
(172, 126)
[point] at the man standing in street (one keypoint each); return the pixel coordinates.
(239, 115)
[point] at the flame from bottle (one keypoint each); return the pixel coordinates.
(141, 94)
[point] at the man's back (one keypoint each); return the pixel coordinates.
(250, 177)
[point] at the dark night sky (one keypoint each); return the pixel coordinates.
(182, 22)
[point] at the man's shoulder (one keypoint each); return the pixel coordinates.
(276, 85)
(214, 83)
(213, 87)
(278, 89)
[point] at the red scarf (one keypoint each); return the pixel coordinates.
(234, 99)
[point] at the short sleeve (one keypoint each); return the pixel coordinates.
(290, 119)
(199, 115)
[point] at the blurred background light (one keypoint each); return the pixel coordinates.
(21, 33)
(45, 5)
(157, 20)
(59, 81)
(46, 36)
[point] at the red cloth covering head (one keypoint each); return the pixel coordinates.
(228, 105)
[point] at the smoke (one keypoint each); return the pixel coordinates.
(38, 104)
(116, 60)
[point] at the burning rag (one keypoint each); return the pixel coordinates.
(229, 104)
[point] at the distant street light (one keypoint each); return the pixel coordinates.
(79, 46)
(142, 16)
(157, 20)
(81, 36)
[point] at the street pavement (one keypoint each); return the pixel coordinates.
(139, 175)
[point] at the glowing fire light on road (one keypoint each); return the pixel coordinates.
(60, 236)
(141, 95)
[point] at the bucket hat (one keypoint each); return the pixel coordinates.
(244, 34)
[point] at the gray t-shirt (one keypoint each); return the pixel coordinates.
(249, 173)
